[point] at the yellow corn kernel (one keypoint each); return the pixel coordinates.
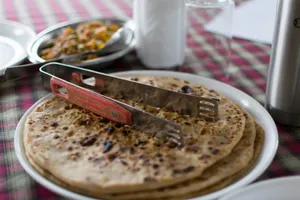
(68, 31)
(101, 32)
(113, 27)
(100, 45)
(91, 44)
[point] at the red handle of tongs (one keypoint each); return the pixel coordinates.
(91, 101)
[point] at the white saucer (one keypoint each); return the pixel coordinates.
(14, 40)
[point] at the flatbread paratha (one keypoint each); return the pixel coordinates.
(259, 141)
(237, 160)
(258, 145)
(101, 157)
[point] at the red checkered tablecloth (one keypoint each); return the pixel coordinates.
(249, 61)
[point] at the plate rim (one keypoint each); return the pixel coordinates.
(269, 149)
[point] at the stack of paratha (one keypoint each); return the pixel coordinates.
(93, 156)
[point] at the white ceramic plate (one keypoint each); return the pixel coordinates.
(286, 188)
(247, 102)
(11, 52)
(14, 39)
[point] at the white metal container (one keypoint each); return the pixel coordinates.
(160, 32)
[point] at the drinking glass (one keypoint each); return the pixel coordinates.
(209, 36)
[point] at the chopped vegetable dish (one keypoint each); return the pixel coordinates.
(86, 36)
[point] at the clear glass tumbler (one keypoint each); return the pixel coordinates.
(209, 36)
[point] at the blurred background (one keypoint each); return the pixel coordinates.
(249, 56)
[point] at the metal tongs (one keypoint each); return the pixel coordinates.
(71, 83)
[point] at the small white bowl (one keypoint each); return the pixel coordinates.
(287, 188)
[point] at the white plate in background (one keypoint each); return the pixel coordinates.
(14, 40)
(11, 52)
(287, 188)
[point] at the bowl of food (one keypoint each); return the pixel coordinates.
(69, 38)
(80, 155)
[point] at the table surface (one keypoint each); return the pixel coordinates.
(249, 61)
